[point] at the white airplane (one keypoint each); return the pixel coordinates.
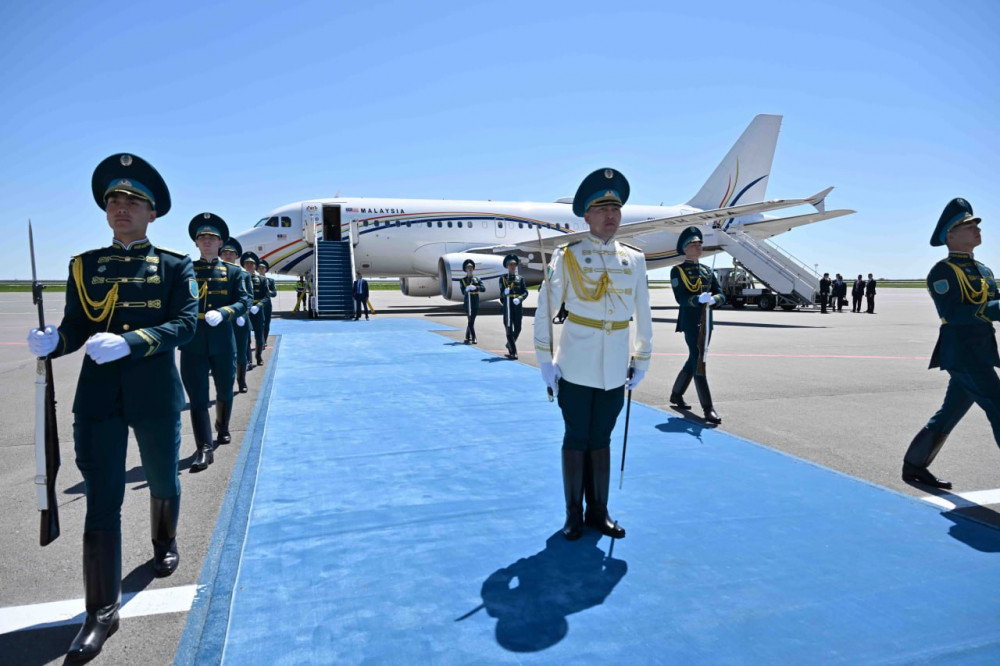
(424, 242)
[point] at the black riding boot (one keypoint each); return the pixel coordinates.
(102, 582)
(241, 377)
(202, 427)
(572, 469)
(163, 515)
(923, 449)
(680, 385)
(599, 473)
(223, 410)
(260, 356)
(705, 398)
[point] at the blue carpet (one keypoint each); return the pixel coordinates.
(409, 494)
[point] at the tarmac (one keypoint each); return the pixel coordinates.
(842, 394)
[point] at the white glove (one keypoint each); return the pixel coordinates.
(240, 321)
(506, 292)
(517, 301)
(471, 288)
(254, 309)
(42, 343)
(213, 317)
(551, 374)
(706, 298)
(637, 376)
(107, 347)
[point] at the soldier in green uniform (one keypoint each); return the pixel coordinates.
(965, 295)
(259, 293)
(602, 283)
(272, 292)
(132, 304)
(230, 253)
(471, 288)
(695, 287)
(222, 298)
(513, 291)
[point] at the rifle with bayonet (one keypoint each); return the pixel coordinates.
(46, 436)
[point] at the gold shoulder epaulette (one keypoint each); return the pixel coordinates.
(566, 245)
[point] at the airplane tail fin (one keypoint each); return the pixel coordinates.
(742, 175)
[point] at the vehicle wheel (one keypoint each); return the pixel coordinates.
(766, 302)
(787, 307)
(739, 303)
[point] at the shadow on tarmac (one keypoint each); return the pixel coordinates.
(683, 426)
(37, 646)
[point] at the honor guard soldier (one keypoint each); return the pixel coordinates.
(602, 284)
(272, 292)
(250, 262)
(471, 288)
(132, 304)
(230, 253)
(513, 291)
(965, 295)
(695, 287)
(222, 298)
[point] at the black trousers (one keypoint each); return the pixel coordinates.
(359, 303)
(871, 303)
(824, 300)
(512, 324)
(589, 414)
(981, 387)
(856, 304)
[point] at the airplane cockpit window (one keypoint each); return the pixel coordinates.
(286, 221)
(267, 222)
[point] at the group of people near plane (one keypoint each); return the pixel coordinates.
(833, 293)
(131, 304)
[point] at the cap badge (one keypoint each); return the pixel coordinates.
(126, 160)
(609, 173)
(207, 216)
(124, 182)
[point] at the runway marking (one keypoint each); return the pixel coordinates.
(968, 500)
(18, 344)
(719, 354)
(71, 611)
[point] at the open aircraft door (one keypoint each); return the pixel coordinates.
(312, 215)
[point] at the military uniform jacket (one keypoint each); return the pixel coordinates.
(480, 288)
(594, 344)
(272, 289)
(156, 310)
(259, 292)
(220, 287)
(518, 289)
(689, 280)
(965, 295)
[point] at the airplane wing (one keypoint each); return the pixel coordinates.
(768, 228)
(696, 217)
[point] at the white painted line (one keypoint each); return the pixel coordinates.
(949, 501)
(71, 611)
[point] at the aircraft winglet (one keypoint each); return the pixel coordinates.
(818, 200)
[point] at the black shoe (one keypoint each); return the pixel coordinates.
(712, 417)
(924, 476)
(705, 398)
(202, 427)
(163, 515)
(597, 480)
(241, 378)
(102, 582)
(678, 401)
(474, 341)
(223, 410)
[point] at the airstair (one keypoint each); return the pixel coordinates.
(794, 283)
(333, 268)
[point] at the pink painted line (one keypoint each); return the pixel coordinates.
(846, 356)
(23, 344)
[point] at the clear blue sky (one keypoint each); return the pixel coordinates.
(246, 106)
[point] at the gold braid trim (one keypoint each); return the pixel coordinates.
(582, 284)
(106, 306)
(202, 290)
(970, 293)
(691, 286)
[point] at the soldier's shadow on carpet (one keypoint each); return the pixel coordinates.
(532, 598)
(676, 424)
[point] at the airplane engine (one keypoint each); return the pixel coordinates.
(411, 286)
(489, 268)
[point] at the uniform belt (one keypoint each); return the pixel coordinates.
(597, 323)
(257, 302)
(201, 315)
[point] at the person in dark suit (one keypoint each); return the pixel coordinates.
(839, 293)
(222, 298)
(857, 293)
(513, 292)
(870, 294)
(131, 304)
(360, 293)
(471, 288)
(824, 292)
(965, 296)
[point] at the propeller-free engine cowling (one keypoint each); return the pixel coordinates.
(489, 268)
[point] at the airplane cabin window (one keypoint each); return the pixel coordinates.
(449, 224)
(439, 224)
(520, 225)
(460, 224)
(499, 225)
(286, 221)
(407, 223)
(429, 225)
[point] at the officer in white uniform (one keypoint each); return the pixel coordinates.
(602, 283)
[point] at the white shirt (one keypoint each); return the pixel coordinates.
(597, 357)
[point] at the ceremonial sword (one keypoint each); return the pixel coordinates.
(628, 408)
(548, 302)
(46, 437)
